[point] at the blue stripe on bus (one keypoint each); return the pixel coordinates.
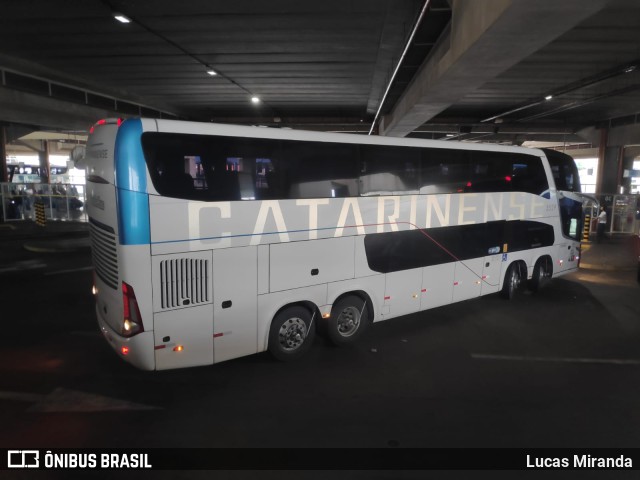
(131, 184)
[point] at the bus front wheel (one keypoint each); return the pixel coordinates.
(348, 321)
(291, 333)
(512, 281)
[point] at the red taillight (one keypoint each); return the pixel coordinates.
(131, 318)
(104, 121)
(124, 350)
(507, 178)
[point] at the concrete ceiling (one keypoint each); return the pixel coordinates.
(475, 70)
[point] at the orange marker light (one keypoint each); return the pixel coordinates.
(125, 350)
(178, 348)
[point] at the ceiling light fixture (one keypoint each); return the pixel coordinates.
(255, 99)
(630, 69)
(548, 97)
(212, 72)
(121, 18)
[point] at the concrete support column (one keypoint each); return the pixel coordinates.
(610, 165)
(45, 167)
(4, 176)
(604, 137)
(626, 164)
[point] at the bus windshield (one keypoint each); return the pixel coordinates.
(565, 175)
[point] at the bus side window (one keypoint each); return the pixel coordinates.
(319, 170)
(173, 180)
(389, 170)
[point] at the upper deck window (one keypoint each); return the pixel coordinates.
(218, 168)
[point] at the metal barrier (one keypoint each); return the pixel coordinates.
(61, 201)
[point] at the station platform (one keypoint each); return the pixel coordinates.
(616, 252)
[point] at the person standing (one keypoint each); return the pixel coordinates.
(602, 224)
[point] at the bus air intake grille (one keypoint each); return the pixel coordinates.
(104, 253)
(184, 282)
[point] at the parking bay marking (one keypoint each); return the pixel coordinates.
(605, 361)
(64, 400)
(73, 270)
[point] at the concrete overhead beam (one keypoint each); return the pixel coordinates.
(486, 38)
(29, 109)
(621, 136)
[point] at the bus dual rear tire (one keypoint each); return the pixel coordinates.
(291, 334)
(348, 321)
(512, 281)
(542, 272)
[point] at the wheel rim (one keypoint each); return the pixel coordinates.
(292, 334)
(348, 321)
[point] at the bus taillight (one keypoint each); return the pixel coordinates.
(131, 318)
(106, 121)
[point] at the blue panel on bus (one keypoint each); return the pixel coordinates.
(131, 184)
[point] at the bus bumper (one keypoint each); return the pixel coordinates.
(137, 350)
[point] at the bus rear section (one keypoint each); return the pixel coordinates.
(119, 252)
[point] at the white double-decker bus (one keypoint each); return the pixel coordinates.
(212, 242)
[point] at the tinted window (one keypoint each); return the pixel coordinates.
(317, 170)
(565, 172)
(395, 251)
(389, 170)
(208, 168)
(506, 172)
(216, 168)
(444, 171)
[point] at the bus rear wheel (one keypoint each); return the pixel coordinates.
(512, 281)
(542, 272)
(291, 334)
(348, 321)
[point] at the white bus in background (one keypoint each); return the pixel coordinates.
(212, 242)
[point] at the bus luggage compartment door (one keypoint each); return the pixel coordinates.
(467, 279)
(402, 292)
(235, 296)
(491, 274)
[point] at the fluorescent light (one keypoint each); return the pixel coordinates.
(213, 73)
(255, 100)
(548, 97)
(121, 18)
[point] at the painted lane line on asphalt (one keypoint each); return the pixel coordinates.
(605, 361)
(72, 270)
(63, 400)
(23, 265)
